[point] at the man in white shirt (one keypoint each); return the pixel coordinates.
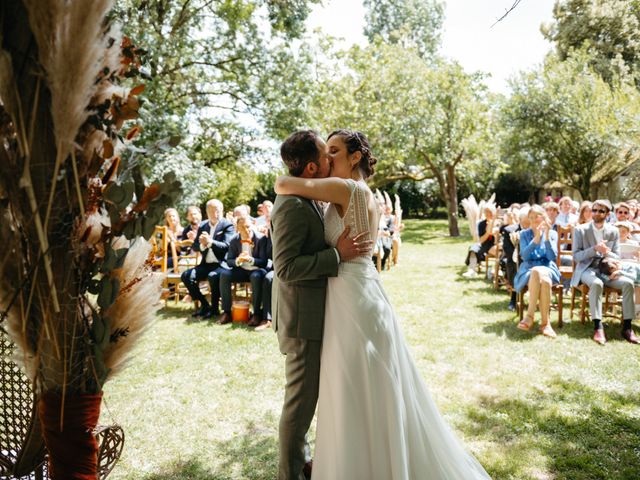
(212, 240)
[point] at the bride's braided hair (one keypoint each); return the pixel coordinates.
(357, 142)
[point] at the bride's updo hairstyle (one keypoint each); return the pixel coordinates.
(357, 142)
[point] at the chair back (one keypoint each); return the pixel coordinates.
(565, 238)
(21, 443)
(161, 249)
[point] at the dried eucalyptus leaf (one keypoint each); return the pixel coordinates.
(114, 213)
(137, 232)
(98, 329)
(114, 193)
(121, 254)
(148, 227)
(109, 259)
(106, 293)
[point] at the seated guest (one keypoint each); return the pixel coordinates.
(633, 210)
(538, 270)
(264, 210)
(553, 210)
(575, 206)
(622, 211)
(509, 249)
(212, 240)
(267, 284)
(565, 217)
(625, 229)
(194, 217)
(478, 251)
(584, 215)
(248, 258)
(591, 243)
(174, 231)
(386, 229)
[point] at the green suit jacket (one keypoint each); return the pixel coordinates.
(302, 262)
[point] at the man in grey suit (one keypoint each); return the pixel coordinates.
(591, 243)
(302, 263)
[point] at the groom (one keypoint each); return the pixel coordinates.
(302, 263)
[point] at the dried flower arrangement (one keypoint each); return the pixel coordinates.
(76, 289)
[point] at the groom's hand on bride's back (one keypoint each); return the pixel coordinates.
(349, 248)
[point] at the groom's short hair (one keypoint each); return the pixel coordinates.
(299, 149)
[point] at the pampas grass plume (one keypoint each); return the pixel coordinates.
(71, 44)
(135, 307)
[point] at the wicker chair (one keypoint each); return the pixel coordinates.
(22, 450)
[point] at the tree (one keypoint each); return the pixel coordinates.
(209, 61)
(608, 30)
(569, 123)
(409, 23)
(423, 120)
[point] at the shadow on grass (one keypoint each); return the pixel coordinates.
(420, 232)
(188, 470)
(597, 437)
(571, 328)
(252, 454)
(496, 306)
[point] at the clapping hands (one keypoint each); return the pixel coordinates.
(602, 248)
(540, 231)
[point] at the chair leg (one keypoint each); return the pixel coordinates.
(520, 301)
(583, 306)
(560, 301)
(573, 299)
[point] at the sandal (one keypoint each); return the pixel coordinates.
(547, 331)
(526, 323)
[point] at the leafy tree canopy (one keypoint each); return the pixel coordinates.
(410, 23)
(208, 62)
(566, 121)
(608, 30)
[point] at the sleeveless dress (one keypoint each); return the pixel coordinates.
(376, 418)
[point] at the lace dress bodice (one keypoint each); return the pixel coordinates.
(360, 217)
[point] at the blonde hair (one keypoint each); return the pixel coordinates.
(538, 210)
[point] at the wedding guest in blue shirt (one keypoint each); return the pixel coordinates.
(538, 270)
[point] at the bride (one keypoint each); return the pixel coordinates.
(376, 418)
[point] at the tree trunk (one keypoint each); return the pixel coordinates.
(452, 200)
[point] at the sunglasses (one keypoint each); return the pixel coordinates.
(599, 210)
(623, 212)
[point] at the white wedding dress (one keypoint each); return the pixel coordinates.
(376, 418)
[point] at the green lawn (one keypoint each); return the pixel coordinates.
(202, 401)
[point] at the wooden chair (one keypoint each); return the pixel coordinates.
(22, 450)
(612, 307)
(173, 280)
(160, 249)
(499, 278)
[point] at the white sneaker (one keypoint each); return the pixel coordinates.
(470, 274)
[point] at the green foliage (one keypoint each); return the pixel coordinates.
(210, 67)
(566, 121)
(424, 119)
(410, 23)
(608, 30)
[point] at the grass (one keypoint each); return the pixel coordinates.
(202, 401)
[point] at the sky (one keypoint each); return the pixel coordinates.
(512, 45)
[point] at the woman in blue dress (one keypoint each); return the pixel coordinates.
(538, 270)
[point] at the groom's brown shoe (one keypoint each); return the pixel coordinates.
(225, 318)
(306, 470)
